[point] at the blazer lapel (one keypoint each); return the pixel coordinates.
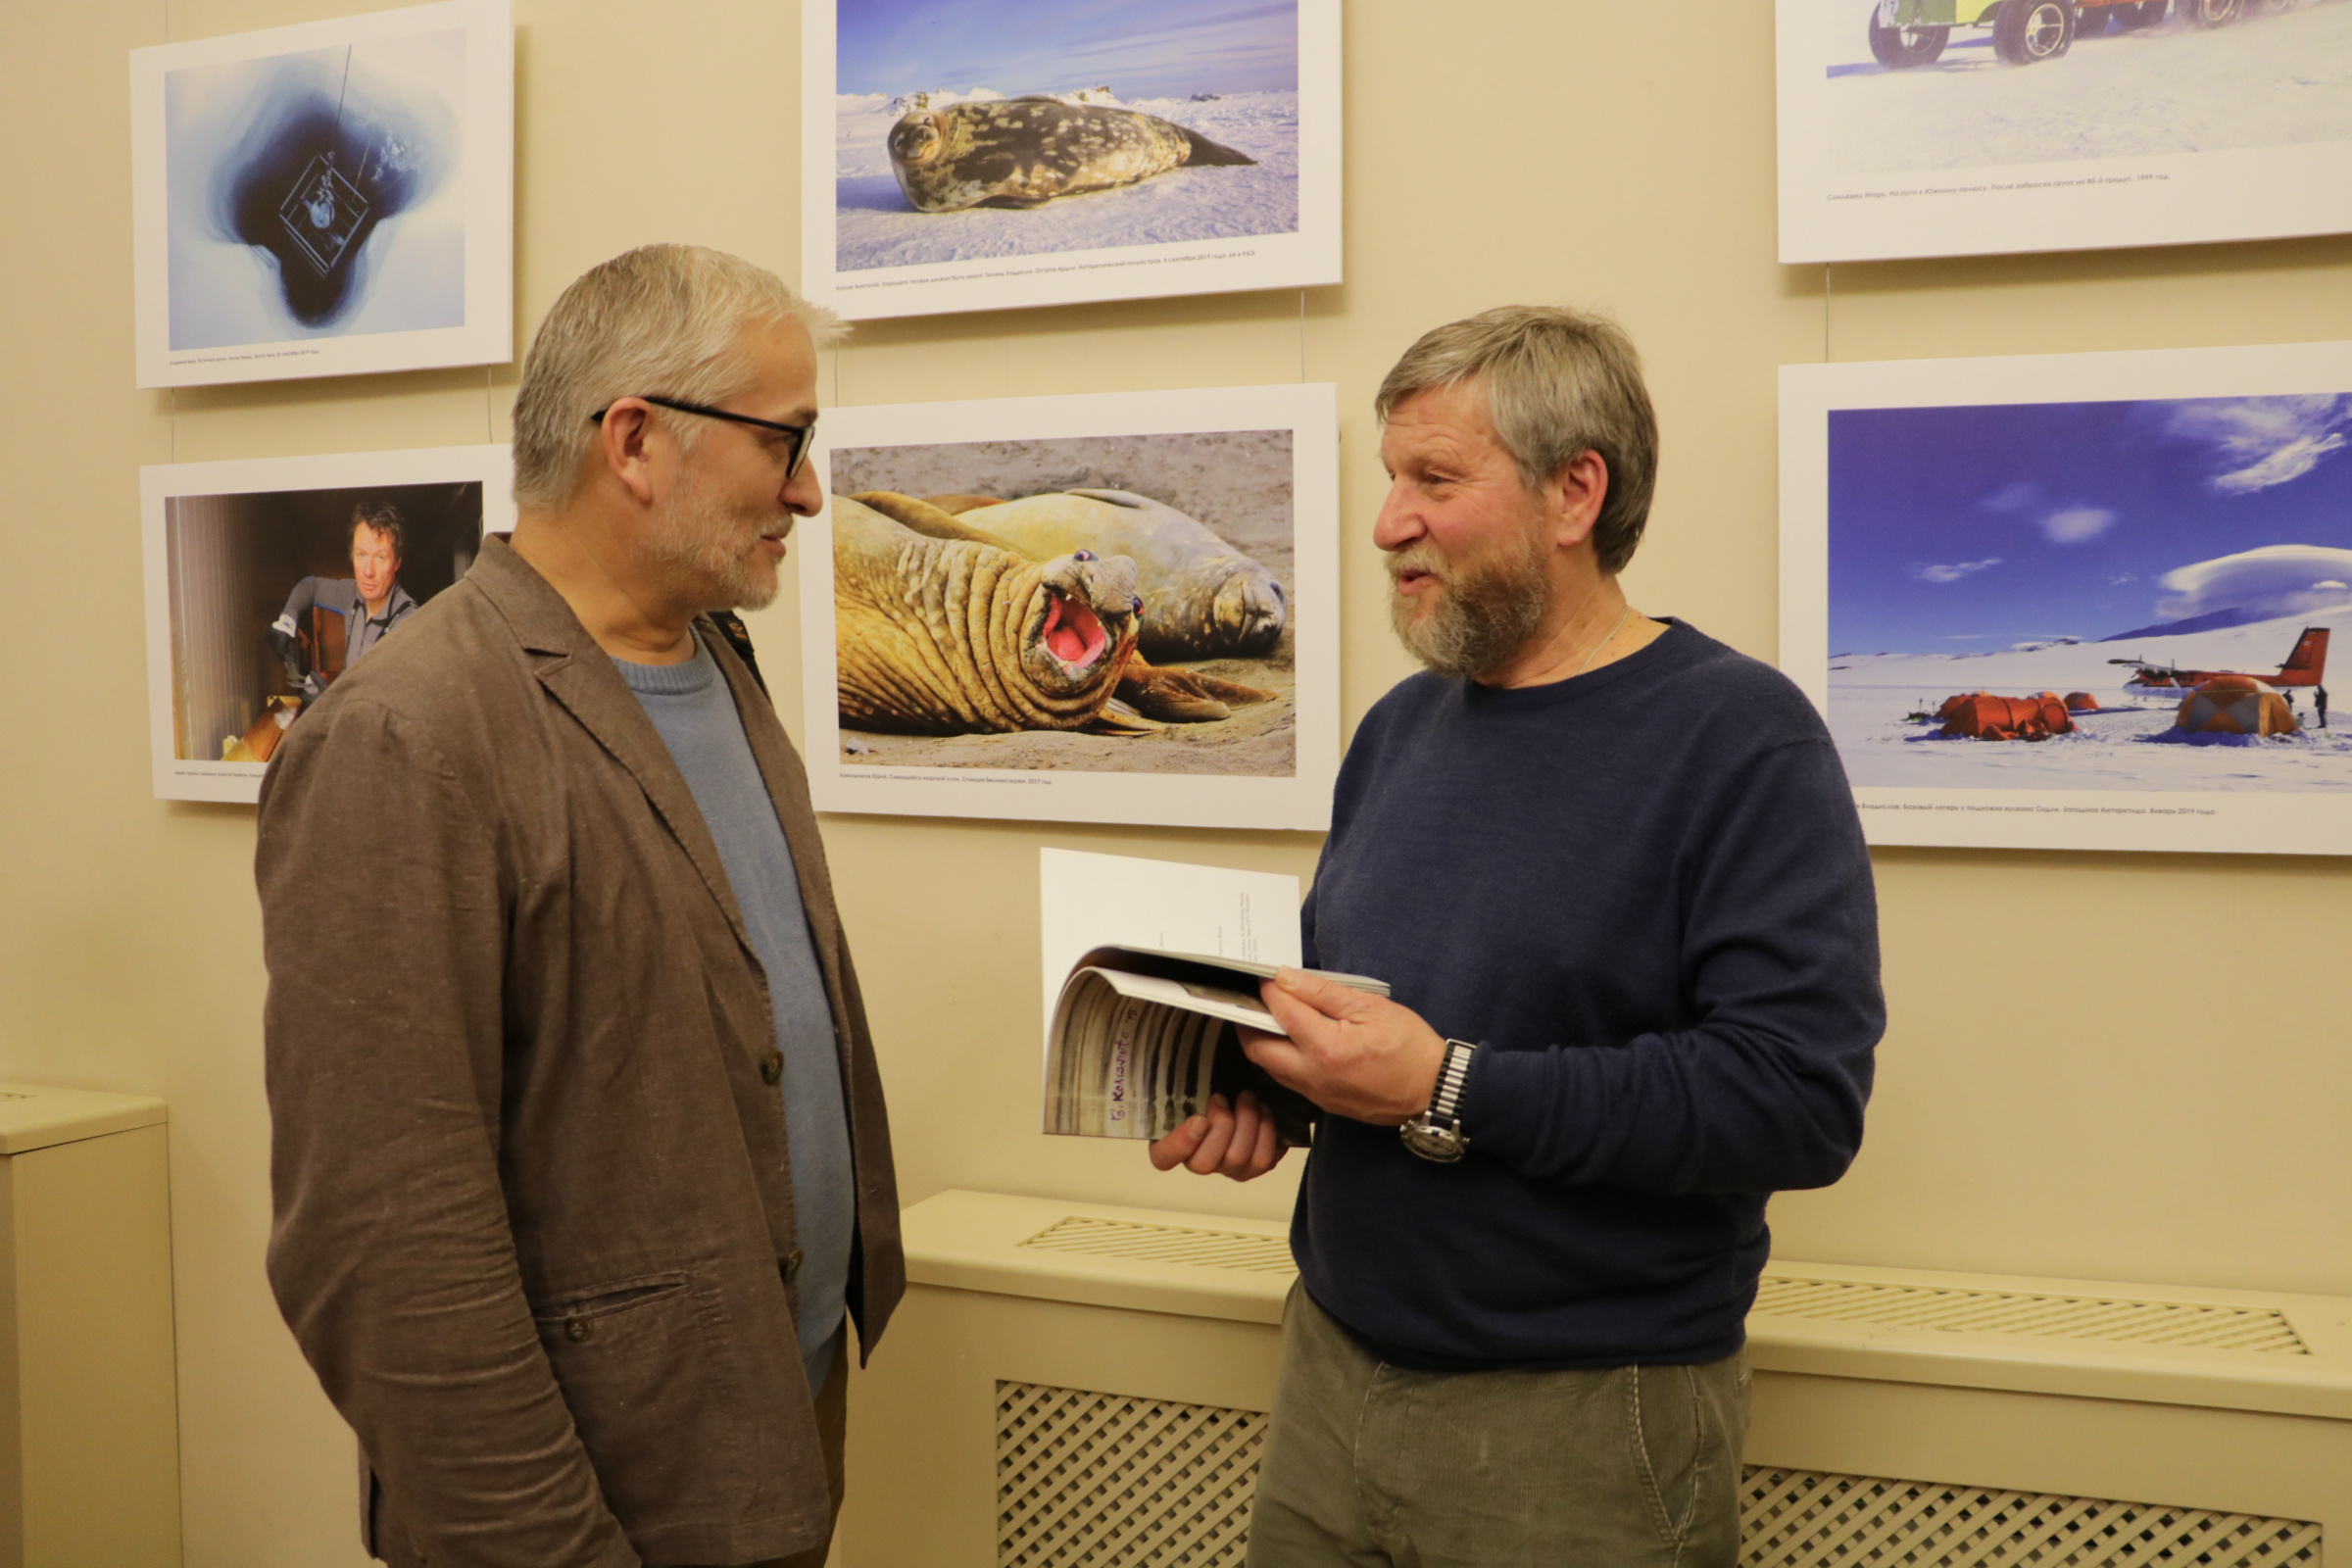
(580, 674)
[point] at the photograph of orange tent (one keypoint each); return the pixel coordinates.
(2234, 705)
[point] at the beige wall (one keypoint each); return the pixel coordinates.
(2128, 1066)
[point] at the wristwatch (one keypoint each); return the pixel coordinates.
(1437, 1133)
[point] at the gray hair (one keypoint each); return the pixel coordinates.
(667, 319)
(1558, 383)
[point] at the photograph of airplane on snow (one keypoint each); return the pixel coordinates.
(1962, 127)
(2100, 616)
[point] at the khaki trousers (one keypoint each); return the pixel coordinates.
(1369, 1465)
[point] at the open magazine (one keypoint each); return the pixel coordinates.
(1141, 1037)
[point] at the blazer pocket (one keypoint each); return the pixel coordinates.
(651, 1391)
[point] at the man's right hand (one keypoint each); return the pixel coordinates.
(1237, 1142)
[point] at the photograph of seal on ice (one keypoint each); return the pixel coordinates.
(1130, 619)
(2105, 606)
(949, 142)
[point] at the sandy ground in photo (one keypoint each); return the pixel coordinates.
(1236, 482)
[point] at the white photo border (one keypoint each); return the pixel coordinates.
(487, 336)
(197, 779)
(1298, 803)
(2252, 822)
(2080, 204)
(1306, 259)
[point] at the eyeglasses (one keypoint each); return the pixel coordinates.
(804, 436)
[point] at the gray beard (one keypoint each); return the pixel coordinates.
(1483, 615)
(701, 546)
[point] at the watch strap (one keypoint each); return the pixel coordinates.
(1446, 1099)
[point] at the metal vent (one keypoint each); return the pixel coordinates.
(1105, 1477)
(1806, 1519)
(1168, 1243)
(2064, 1317)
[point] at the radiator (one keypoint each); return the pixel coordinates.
(1080, 1384)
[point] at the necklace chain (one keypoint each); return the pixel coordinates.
(1621, 617)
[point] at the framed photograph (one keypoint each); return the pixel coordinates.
(327, 199)
(2078, 600)
(1963, 128)
(268, 578)
(1047, 152)
(1114, 608)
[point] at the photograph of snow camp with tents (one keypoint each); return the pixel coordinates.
(2128, 594)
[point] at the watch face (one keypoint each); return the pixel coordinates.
(1442, 1144)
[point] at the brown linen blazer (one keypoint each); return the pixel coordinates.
(534, 1210)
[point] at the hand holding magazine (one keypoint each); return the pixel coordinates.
(1140, 1037)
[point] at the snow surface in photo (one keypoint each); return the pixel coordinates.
(2125, 746)
(876, 227)
(2262, 81)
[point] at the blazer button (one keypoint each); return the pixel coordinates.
(577, 1330)
(771, 1068)
(792, 1264)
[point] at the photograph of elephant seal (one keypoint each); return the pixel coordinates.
(1182, 501)
(1023, 152)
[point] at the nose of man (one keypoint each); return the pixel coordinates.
(1398, 523)
(802, 494)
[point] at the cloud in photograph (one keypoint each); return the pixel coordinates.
(1955, 570)
(2273, 580)
(2069, 524)
(2261, 442)
(2072, 525)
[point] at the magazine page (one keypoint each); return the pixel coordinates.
(1093, 900)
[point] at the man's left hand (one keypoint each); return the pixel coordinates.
(1355, 1055)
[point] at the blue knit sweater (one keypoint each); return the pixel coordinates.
(1643, 893)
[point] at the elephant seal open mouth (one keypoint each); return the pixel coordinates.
(944, 636)
(1203, 599)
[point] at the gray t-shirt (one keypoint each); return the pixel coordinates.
(694, 711)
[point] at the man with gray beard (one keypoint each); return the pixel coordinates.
(1613, 875)
(579, 1150)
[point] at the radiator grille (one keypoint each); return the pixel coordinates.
(2065, 1317)
(1105, 1477)
(1805, 1519)
(1168, 1243)
(1086, 1478)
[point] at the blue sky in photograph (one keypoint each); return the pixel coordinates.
(1960, 529)
(1136, 49)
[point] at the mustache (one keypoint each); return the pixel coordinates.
(1421, 557)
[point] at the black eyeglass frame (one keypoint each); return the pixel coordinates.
(804, 436)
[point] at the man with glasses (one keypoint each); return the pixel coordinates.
(580, 1151)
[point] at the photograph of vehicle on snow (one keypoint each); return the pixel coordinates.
(1117, 608)
(1920, 127)
(962, 158)
(2082, 618)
